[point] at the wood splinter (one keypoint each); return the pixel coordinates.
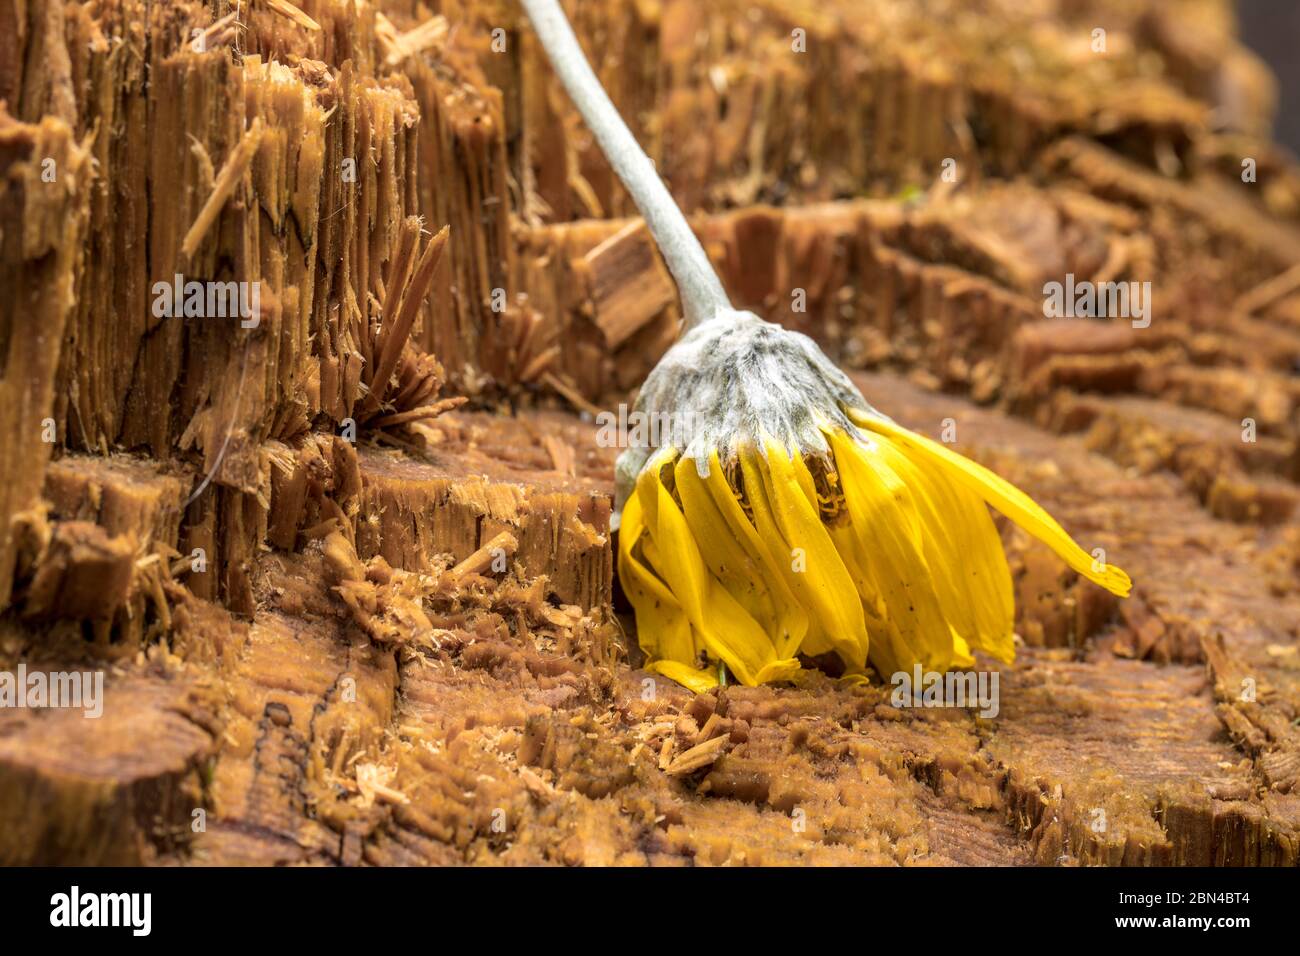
(701, 755)
(232, 171)
(399, 46)
(421, 413)
(221, 31)
(504, 543)
(290, 12)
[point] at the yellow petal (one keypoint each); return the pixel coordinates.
(884, 519)
(1004, 496)
(964, 553)
(882, 642)
(782, 512)
(731, 549)
(647, 485)
(962, 657)
(689, 677)
(792, 620)
(723, 554)
(727, 630)
(663, 630)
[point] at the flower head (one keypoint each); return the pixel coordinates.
(786, 517)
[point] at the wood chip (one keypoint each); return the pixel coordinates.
(481, 560)
(666, 753)
(709, 730)
(535, 784)
(372, 781)
(563, 458)
(701, 755)
(628, 281)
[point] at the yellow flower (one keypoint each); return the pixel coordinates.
(883, 552)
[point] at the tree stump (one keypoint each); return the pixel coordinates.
(322, 493)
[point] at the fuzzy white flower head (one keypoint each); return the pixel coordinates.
(739, 380)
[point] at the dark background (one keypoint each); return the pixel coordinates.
(1272, 29)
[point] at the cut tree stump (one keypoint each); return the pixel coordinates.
(345, 562)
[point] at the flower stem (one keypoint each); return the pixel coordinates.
(697, 282)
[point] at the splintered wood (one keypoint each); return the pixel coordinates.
(342, 552)
(233, 170)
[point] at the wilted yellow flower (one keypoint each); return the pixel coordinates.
(784, 515)
(883, 552)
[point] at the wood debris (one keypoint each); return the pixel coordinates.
(372, 781)
(495, 552)
(387, 603)
(697, 757)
